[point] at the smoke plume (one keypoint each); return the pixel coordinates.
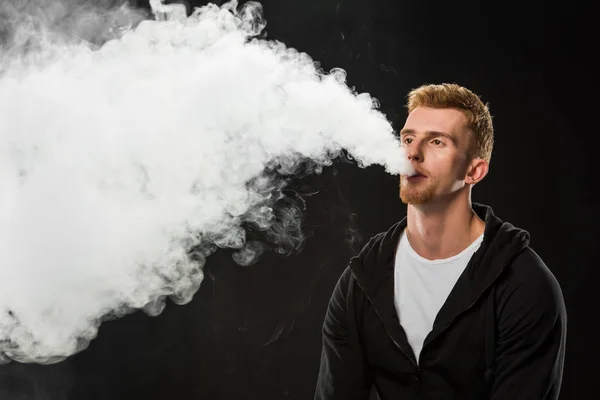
(134, 148)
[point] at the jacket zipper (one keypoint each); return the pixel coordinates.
(386, 330)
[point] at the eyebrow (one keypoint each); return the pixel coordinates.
(448, 136)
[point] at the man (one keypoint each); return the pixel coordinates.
(450, 302)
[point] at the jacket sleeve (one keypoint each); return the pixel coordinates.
(343, 373)
(532, 328)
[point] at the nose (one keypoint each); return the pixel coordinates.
(414, 153)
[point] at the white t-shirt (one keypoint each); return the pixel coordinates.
(421, 287)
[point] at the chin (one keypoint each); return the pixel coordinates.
(417, 198)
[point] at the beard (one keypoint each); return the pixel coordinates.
(416, 193)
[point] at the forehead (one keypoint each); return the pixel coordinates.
(449, 120)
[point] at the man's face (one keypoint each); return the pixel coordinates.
(436, 141)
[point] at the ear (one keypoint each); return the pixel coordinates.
(477, 171)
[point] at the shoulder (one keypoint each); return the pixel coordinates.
(356, 267)
(530, 284)
(382, 244)
(372, 246)
(529, 271)
(371, 260)
(367, 264)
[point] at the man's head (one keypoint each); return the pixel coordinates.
(448, 137)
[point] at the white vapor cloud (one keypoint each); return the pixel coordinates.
(123, 166)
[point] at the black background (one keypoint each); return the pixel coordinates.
(254, 332)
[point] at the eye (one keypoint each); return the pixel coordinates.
(437, 140)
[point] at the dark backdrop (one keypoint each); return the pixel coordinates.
(254, 332)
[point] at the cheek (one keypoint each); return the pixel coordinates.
(459, 166)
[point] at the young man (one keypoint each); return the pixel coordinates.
(450, 302)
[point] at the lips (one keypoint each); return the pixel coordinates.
(415, 178)
(416, 174)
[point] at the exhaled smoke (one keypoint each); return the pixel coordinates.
(29, 26)
(123, 167)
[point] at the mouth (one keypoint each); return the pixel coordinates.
(416, 177)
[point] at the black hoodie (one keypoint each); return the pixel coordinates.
(500, 334)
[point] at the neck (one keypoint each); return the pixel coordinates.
(442, 230)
